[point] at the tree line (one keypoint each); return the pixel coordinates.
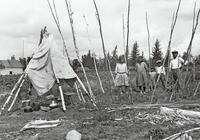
(88, 59)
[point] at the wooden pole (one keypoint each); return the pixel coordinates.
(12, 92)
(95, 66)
(180, 133)
(168, 48)
(127, 35)
(148, 33)
(124, 45)
(188, 56)
(61, 95)
(195, 92)
(102, 41)
(169, 56)
(77, 91)
(101, 34)
(93, 56)
(56, 20)
(77, 51)
(17, 93)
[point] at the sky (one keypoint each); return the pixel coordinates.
(22, 20)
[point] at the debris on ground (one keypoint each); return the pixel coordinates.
(41, 124)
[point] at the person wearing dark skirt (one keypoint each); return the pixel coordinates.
(141, 77)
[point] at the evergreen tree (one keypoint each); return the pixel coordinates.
(114, 58)
(87, 60)
(134, 54)
(114, 53)
(156, 53)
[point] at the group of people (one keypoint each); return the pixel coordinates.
(146, 77)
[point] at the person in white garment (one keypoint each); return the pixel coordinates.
(160, 70)
(121, 71)
(175, 65)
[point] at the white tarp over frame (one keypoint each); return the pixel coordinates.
(47, 64)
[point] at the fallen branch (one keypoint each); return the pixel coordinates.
(180, 133)
(186, 113)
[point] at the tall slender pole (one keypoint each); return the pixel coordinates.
(124, 45)
(12, 92)
(168, 48)
(93, 56)
(102, 41)
(77, 51)
(95, 66)
(127, 36)
(148, 33)
(168, 54)
(59, 29)
(17, 93)
(23, 50)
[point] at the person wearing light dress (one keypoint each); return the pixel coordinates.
(121, 78)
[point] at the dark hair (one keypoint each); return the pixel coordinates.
(121, 59)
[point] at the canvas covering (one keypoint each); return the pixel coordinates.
(47, 64)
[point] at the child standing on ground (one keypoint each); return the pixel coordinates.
(160, 70)
(152, 79)
(141, 77)
(121, 71)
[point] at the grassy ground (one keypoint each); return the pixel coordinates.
(98, 124)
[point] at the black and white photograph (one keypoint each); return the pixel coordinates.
(100, 70)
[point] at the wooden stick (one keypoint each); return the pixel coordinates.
(195, 92)
(169, 56)
(169, 45)
(77, 51)
(101, 34)
(11, 93)
(148, 42)
(81, 94)
(189, 49)
(93, 55)
(102, 41)
(180, 133)
(127, 35)
(56, 14)
(95, 66)
(17, 93)
(61, 95)
(124, 45)
(58, 27)
(77, 90)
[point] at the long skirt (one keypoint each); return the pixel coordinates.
(141, 79)
(121, 80)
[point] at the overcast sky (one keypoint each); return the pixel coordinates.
(23, 19)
